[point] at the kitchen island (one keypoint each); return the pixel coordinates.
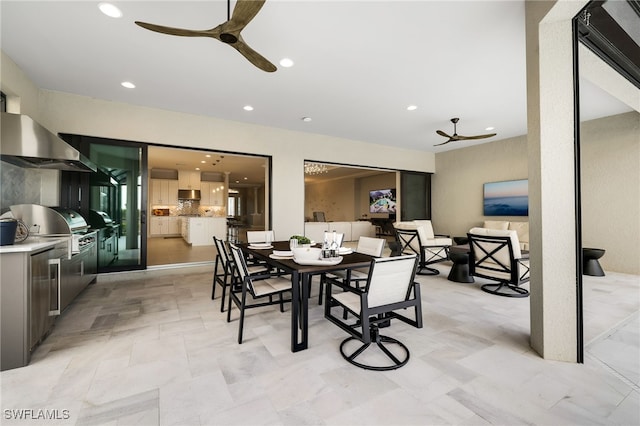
(199, 231)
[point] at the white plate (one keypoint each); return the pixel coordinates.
(345, 250)
(283, 253)
(320, 262)
(260, 246)
(275, 256)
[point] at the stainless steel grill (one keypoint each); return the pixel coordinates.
(56, 222)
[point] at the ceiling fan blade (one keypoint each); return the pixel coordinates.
(441, 133)
(243, 12)
(254, 57)
(177, 31)
(445, 142)
(476, 137)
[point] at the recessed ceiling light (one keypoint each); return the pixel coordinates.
(197, 168)
(286, 62)
(110, 10)
(202, 161)
(208, 155)
(245, 178)
(237, 181)
(306, 119)
(412, 108)
(490, 128)
(128, 85)
(248, 108)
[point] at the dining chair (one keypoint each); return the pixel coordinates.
(259, 286)
(260, 236)
(366, 245)
(224, 270)
(389, 292)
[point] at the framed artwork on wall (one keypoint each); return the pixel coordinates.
(507, 198)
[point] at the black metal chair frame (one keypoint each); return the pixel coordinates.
(349, 276)
(223, 280)
(370, 320)
(244, 284)
(508, 287)
(404, 238)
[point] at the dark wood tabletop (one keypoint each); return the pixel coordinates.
(301, 276)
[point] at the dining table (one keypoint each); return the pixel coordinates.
(301, 278)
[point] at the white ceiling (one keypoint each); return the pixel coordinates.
(358, 64)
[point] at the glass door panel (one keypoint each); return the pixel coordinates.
(116, 192)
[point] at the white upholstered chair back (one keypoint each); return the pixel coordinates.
(222, 250)
(499, 264)
(260, 236)
(241, 266)
(371, 246)
(390, 280)
(414, 243)
(426, 229)
(513, 235)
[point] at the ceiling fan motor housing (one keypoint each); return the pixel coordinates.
(228, 38)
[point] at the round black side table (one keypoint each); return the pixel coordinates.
(590, 264)
(459, 273)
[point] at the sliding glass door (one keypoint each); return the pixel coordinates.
(115, 202)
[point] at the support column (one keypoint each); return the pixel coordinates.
(226, 192)
(552, 211)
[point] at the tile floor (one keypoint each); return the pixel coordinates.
(157, 351)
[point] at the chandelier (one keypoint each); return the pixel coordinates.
(315, 168)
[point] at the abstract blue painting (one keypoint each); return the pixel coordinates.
(508, 198)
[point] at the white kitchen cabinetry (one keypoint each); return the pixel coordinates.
(188, 179)
(211, 193)
(164, 225)
(199, 231)
(164, 191)
(157, 225)
(174, 225)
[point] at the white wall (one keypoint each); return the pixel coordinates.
(66, 113)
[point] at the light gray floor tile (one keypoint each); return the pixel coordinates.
(157, 351)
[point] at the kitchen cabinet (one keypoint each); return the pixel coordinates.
(164, 225)
(29, 296)
(199, 231)
(173, 227)
(188, 179)
(211, 193)
(164, 191)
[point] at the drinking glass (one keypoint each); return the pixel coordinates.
(293, 243)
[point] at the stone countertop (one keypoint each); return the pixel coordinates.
(32, 245)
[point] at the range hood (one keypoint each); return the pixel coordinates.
(26, 143)
(188, 194)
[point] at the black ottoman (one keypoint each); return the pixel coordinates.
(590, 264)
(459, 273)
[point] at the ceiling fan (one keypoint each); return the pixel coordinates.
(457, 137)
(228, 32)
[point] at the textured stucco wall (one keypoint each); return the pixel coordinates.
(457, 187)
(610, 150)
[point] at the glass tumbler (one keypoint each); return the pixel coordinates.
(293, 243)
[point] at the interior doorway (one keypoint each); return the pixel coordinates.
(231, 189)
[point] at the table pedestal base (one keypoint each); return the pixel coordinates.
(460, 269)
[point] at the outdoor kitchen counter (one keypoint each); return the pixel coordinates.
(32, 244)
